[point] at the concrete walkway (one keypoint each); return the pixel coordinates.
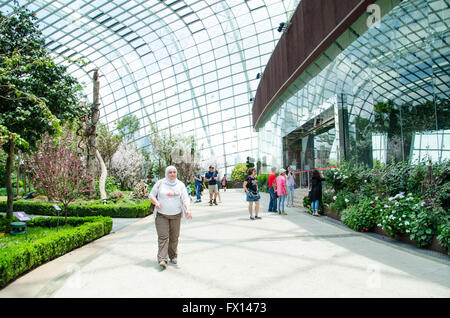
(224, 254)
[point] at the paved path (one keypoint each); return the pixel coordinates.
(224, 254)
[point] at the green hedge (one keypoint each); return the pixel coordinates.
(74, 209)
(23, 257)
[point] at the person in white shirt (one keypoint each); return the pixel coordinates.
(171, 202)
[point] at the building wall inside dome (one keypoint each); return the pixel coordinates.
(391, 79)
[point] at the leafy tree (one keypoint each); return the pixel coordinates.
(107, 143)
(239, 172)
(35, 93)
(127, 126)
(178, 150)
(162, 145)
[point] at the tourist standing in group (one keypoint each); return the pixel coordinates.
(218, 186)
(251, 189)
(290, 182)
(272, 185)
(189, 191)
(211, 177)
(281, 191)
(224, 183)
(198, 183)
(171, 202)
(316, 191)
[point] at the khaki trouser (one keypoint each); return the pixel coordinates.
(168, 229)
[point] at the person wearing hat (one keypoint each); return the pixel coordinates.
(211, 177)
(281, 190)
(171, 202)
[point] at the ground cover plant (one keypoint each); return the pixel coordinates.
(18, 256)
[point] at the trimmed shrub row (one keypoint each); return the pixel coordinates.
(23, 257)
(74, 209)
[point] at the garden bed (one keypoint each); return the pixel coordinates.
(405, 238)
(77, 209)
(332, 213)
(23, 256)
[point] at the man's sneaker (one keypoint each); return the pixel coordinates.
(163, 264)
(283, 213)
(174, 261)
(258, 217)
(210, 203)
(279, 212)
(252, 218)
(215, 202)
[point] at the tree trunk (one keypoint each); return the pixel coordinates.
(9, 188)
(65, 212)
(24, 179)
(18, 176)
(91, 128)
(103, 177)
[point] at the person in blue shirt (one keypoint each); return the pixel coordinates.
(211, 177)
(188, 188)
(198, 185)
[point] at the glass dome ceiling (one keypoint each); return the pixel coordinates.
(190, 66)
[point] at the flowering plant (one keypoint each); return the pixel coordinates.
(363, 216)
(425, 222)
(398, 214)
(343, 199)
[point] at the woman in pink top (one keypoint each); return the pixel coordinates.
(281, 191)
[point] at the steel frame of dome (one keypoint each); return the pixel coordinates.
(189, 66)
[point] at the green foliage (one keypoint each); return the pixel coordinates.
(306, 202)
(425, 224)
(239, 172)
(398, 214)
(111, 185)
(263, 183)
(82, 210)
(5, 223)
(127, 126)
(3, 157)
(441, 173)
(343, 200)
(36, 92)
(363, 216)
(443, 237)
(20, 258)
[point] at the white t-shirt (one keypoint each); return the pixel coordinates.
(171, 198)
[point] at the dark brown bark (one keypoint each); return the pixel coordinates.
(65, 212)
(9, 188)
